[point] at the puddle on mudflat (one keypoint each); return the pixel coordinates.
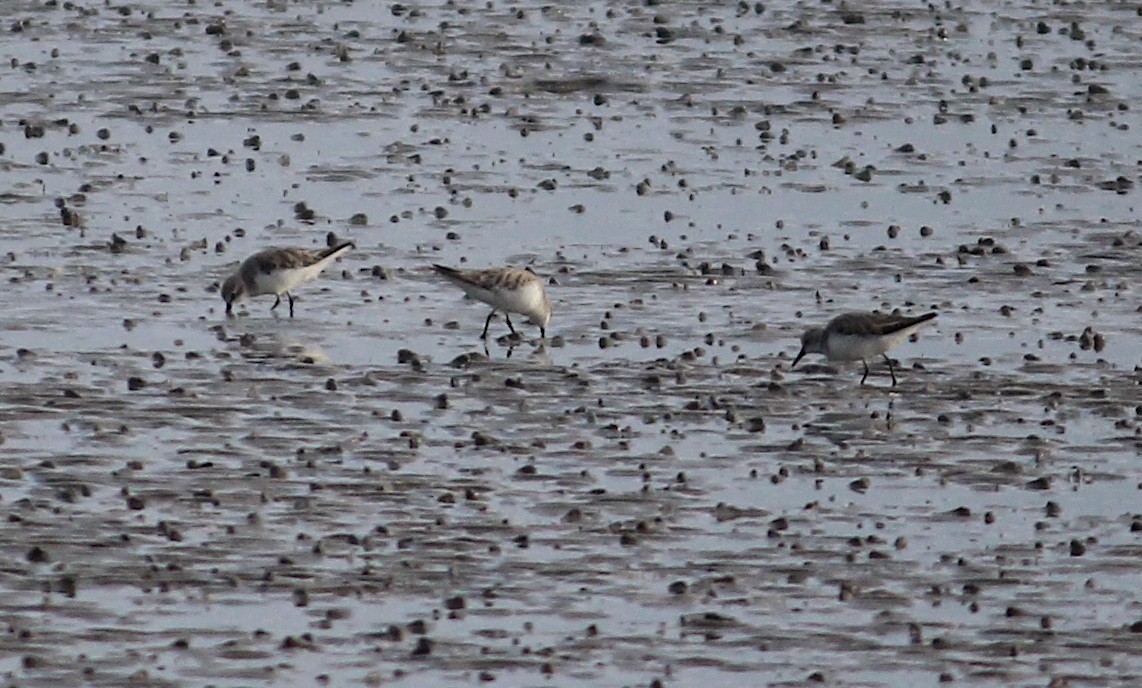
(363, 495)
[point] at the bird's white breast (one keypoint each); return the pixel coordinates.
(855, 347)
(527, 298)
(286, 279)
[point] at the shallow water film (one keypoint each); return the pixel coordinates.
(362, 495)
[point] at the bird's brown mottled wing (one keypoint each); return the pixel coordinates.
(273, 259)
(488, 280)
(512, 279)
(484, 279)
(874, 323)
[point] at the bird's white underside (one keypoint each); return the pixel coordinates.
(855, 347)
(282, 280)
(526, 300)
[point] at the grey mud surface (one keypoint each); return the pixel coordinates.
(653, 498)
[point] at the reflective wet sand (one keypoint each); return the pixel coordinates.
(362, 496)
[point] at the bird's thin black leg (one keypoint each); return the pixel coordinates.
(277, 301)
(486, 323)
(508, 317)
(542, 332)
(290, 297)
(890, 370)
(865, 371)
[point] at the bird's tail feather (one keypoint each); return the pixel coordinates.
(336, 250)
(452, 274)
(909, 322)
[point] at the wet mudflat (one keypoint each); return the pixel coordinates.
(362, 496)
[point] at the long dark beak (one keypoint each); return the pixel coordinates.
(229, 308)
(799, 355)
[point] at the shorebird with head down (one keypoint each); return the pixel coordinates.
(511, 290)
(860, 336)
(277, 271)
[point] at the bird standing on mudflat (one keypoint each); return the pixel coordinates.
(278, 271)
(511, 290)
(860, 336)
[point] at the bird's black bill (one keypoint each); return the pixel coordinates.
(800, 354)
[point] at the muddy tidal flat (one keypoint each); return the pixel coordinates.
(363, 495)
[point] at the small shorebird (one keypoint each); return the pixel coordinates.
(511, 290)
(860, 336)
(277, 271)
